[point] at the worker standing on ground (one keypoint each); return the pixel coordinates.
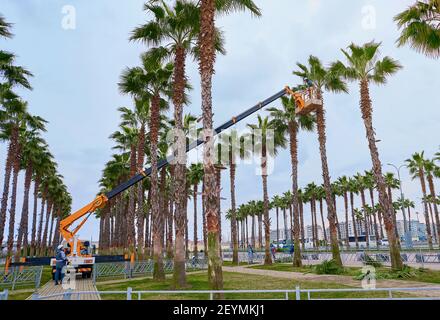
(61, 261)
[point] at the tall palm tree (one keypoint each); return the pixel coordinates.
(320, 196)
(359, 178)
(153, 79)
(371, 185)
(195, 178)
(207, 56)
(267, 138)
(324, 79)
(277, 203)
(408, 204)
(432, 170)
(344, 186)
(353, 189)
(420, 27)
(365, 67)
(416, 166)
(231, 146)
(33, 146)
(176, 29)
(310, 193)
(288, 121)
(301, 200)
(392, 183)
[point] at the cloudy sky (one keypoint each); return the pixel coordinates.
(77, 64)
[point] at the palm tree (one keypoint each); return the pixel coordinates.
(408, 204)
(266, 137)
(365, 67)
(320, 195)
(277, 203)
(420, 27)
(359, 178)
(195, 178)
(416, 166)
(152, 79)
(371, 185)
(176, 28)
(310, 194)
(330, 80)
(353, 189)
(301, 199)
(5, 27)
(33, 147)
(392, 183)
(288, 121)
(126, 140)
(344, 186)
(207, 55)
(230, 146)
(432, 170)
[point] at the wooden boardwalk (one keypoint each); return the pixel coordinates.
(80, 285)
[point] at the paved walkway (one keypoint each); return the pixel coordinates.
(343, 280)
(80, 285)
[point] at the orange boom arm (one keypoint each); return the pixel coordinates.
(99, 202)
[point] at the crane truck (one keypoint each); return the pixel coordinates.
(79, 255)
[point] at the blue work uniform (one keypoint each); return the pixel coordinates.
(61, 261)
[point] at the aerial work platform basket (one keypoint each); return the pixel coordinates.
(307, 101)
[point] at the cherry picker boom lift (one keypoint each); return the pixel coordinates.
(82, 262)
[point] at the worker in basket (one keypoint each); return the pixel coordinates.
(61, 261)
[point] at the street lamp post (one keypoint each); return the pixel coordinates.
(408, 238)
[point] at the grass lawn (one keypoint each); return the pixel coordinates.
(412, 274)
(229, 264)
(233, 281)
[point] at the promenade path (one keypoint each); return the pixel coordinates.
(343, 280)
(80, 285)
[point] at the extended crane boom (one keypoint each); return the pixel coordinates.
(302, 100)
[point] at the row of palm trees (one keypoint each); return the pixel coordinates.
(367, 218)
(27, 151)
(173, 34)
(156, 212)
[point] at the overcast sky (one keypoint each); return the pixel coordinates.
(77, 70)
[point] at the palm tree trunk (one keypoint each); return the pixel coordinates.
(205, 230)
(206, 67)
(364, 206)
(267, 255)
(15, 172)
(233, 211)
(34, 215)
(5, 196)
(353, 219)
(320, 121)
(253, 231)
(433, 195)
(293, 139)
(43, 244)
(301, 212)
(260, 230)
(180, 197)
(131, 233)
(376, 224)
(278, 227)
(140, 193)
(322, 220)
(286, 235)
(22, 238)
(195, 190)
(366, 110)
(347, 242)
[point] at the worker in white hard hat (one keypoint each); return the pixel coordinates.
(61, 261)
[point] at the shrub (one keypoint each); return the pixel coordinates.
(369, 261)
(328, 267)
